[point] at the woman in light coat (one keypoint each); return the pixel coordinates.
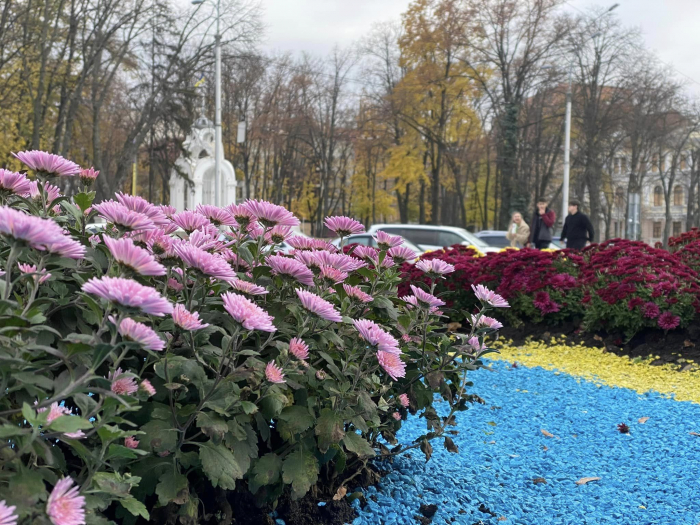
(518, 231)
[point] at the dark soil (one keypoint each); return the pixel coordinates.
(680, 347)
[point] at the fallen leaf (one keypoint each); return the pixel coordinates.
(687, 343)
(583, 481)
(491, 442)
(453, 327)
(340, 494)
(597, 337)
(502, 518)
(545, 448)
(491, 423)
(642, 420)
(693, 433)
(548, 434)
(537, 481)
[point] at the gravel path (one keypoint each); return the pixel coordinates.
(509, 472)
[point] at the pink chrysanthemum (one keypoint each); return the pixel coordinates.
(131, 442)
(147, 387)
(31, 269)
(247, 313)
(12, 182)
(273, 373)
(332, 276)
(167, 210)
(65, 505)
(217, 216)
(475, 344)
(403, 399)
(141, 205)
(160, 244)
(190, 220)
(242, 215)
(299, 242)
(128, 292)
(668, 321)
(52, 192)
(56, 411)
(366, 252)
(40, 234)
(426, 298)
(206, 239)
(343, 226)
(487, 296)
(485, 322)
(356, 293)
(386, 241)
(7, 514)
(313, 303)
(247, 287)
(377, 336)
(234, 259)
(401, 254)
(339, 261)
(205, 262)
(122, 384)
(435, 267)
(270, 215)
(139, 333)
(48, 164)
(278, 234)
(285, 266)
(88, 176)
(650, 310)
(396, 416)
(392, 364)
(299, 349)
(121, 216)
(139, 260)
(187, 320)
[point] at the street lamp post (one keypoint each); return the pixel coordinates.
(567, 132)
(218, 146)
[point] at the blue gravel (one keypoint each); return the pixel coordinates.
(649, 476)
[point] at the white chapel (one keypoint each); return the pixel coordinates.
(192, 178)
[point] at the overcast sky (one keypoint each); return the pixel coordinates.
(669, 27)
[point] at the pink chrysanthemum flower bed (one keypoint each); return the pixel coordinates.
(110, 363)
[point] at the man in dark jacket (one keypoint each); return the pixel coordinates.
(541, 226)
(578, 229)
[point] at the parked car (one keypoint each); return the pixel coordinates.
(428, 237)
(367, 240)
(497, 239)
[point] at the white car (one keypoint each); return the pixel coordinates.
(429, 237)
(367, 240)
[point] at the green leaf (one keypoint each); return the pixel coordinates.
(220, 466)
(84, 200)
(212, 426)
(172, 487)
(135, 507)
(248, 407)
(300, 469)
(68, 424)
(8, 430)
(297, 419)
(115, 484)
(120, 451)
(357, 444)
(266, 470)
(329, 429)
(160, 436)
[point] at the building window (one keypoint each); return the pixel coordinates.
(677, 228)
(655, 163)
(616, 229)
(658, 196)
(684, 161)
(657, 230)
(678, 195)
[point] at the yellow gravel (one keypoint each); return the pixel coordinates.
(603, 368)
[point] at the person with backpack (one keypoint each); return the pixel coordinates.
(541, 226)
(578, 229)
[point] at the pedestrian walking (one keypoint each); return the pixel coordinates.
(518, 232)
(578, 229)
(542, 224)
